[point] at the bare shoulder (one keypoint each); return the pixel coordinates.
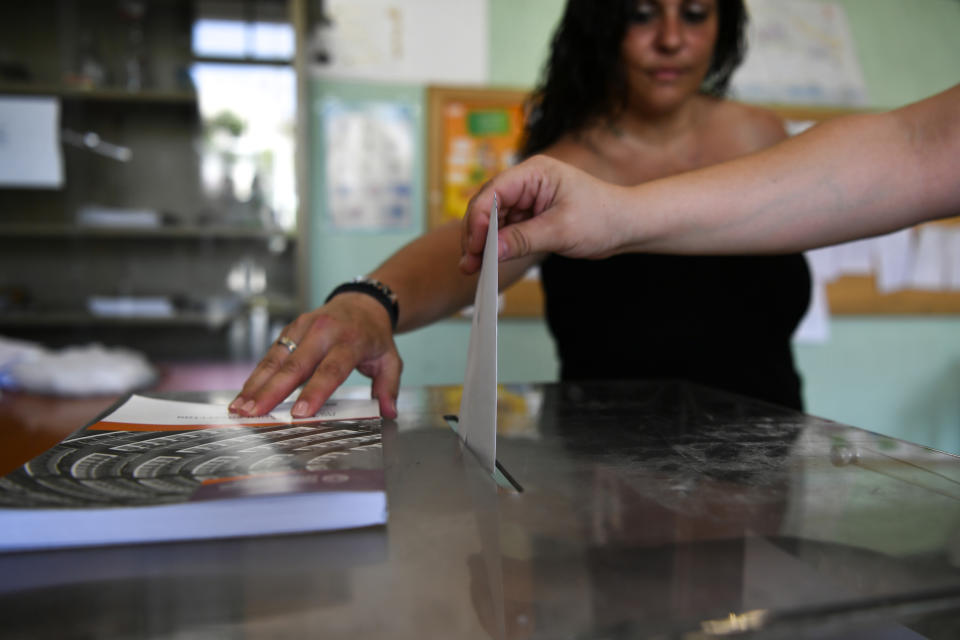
(571, 149)
(586, 151)
(751, 127)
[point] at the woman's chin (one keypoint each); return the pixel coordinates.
(665, 102)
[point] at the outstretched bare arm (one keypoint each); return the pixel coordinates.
(847, 178)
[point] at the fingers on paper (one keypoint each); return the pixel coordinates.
(272, 364)
(386, 382)
(332, 370)
(473, 229)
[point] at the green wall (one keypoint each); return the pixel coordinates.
(909, 49)
(894, 375)
(520, 32)
(435, 354)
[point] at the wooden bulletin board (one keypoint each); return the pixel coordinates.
(473, 134)
(853, 295)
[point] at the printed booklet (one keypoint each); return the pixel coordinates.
(159, 470)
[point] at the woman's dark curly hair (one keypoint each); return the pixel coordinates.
(584, 77)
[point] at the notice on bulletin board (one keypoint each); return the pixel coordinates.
(478, 143)
(369, 159)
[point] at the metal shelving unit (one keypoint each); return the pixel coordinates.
(101, 94)
(40, 230)
(51, 263)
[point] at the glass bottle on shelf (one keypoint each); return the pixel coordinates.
(91, 72)
(133, 68)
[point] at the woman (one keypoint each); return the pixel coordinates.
(723, 321)
(630, 94)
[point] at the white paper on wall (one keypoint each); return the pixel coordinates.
(855, 258)
(928, 271)
(953, 259)
(800, 52)
(30, 153)
(814, 327)
(823, 263)
(893, 260)
(429, 41)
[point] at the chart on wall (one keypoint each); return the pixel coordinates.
(369, 157)
(800, 52)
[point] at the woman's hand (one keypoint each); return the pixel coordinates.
(545, 206)
(352, 331)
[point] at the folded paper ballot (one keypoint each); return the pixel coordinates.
(158, 470)
(478, 406)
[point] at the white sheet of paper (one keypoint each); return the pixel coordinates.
(478, 407)
(895, 255)
(141, 410)
(928, 265)
(823, 263)
(30, 142)
(929, 262)
(814, 327)
(953, 260)
(856, 258)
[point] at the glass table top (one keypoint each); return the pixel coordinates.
(648, 510)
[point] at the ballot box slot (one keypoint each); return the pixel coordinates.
(501, 476)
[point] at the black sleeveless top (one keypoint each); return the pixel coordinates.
(722, 321)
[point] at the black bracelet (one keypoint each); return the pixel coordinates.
(374, 288)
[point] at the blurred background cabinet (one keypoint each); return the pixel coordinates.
(173, 225)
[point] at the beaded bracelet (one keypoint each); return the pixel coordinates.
(374, 288)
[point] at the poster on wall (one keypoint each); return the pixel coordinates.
(30, 154)
(800, 52)
(369, 157)
(399, 40)
(479, 139)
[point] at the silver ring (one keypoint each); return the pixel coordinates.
(284, 341)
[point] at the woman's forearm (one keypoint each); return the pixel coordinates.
(428, 284)
(425, 278)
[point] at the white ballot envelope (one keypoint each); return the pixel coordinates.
(477, 424)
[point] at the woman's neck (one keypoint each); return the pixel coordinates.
(648, 127)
